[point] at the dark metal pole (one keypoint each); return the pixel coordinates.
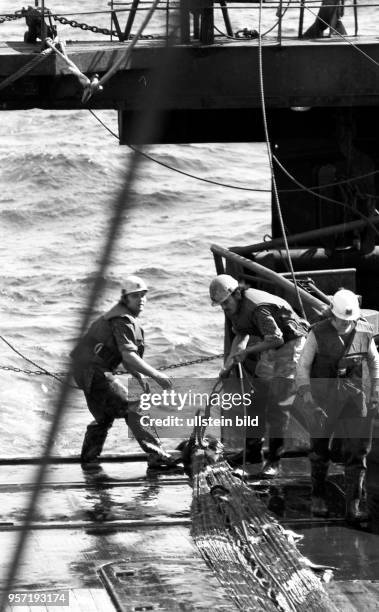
(225, 14)
(355, 18)
(304, 236)
(301, 18)
(280, 22)
(131, 17)
(43, 25)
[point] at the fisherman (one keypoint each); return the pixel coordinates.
(265, 326)
(116, 337)
(331, 376)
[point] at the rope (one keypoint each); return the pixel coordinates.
(270, 158)
(25, 69)
(131, 45)
(57, 375)
(337, 183)
(36, 372)
(227, 185)
(87, 84)
(198, 178)
(253, 557)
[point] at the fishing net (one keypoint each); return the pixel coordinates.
(254, 558)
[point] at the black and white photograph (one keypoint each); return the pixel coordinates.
(189, 397)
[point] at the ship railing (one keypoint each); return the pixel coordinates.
(209, 21)
(198, 23)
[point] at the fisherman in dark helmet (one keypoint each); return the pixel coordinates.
(331, 376)
(267, 327)
(114, 338)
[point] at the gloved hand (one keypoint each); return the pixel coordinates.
(240, 356)
(314, 415)
(224, 373)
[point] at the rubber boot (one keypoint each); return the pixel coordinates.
(253, 453)
(319, 471)
(93, 443)
(354, 478)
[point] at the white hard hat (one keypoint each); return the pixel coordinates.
(345, 305)
(221, 287)
(133, 284)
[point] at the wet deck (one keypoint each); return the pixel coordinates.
(141, 523)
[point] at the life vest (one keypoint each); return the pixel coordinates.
(332, 360)
(336, 373)
(98, 348)
(291, 325)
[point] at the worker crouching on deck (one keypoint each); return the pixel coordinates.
(114, 338)
(265, 326)
(331, 377)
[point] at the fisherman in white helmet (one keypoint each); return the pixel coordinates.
(267, 328)
(330, 376)
(116, 337)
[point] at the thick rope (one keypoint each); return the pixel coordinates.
(132, 44)
(41, 57)
(255, 560)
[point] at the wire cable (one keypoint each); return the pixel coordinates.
(325, 198)
(228, 185)
(344, 38)
(270, 158)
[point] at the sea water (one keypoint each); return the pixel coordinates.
(61, 172)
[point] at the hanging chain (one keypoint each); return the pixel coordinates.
(76, 24)
(106, 31)
(84, 26)
(16, 15)
(161, 368)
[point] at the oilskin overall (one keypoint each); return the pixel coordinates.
(273, 389)
(337, 386)
(94, 360)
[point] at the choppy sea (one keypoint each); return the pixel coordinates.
(60, 174)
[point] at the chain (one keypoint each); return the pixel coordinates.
(168, 367)
(20, 370)
(86, 27)
(76, 24)
(16, 15)
(188, 363)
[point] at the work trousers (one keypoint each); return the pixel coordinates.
(346, 439)
(268, 399)
(107, 400)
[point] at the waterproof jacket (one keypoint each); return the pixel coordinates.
(333, 357)
(99, 351)
(290, 324)
(336, 373)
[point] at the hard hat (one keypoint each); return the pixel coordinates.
(221, 287)
(345, 305)
(133, 284)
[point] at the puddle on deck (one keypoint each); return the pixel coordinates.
(61, 554)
